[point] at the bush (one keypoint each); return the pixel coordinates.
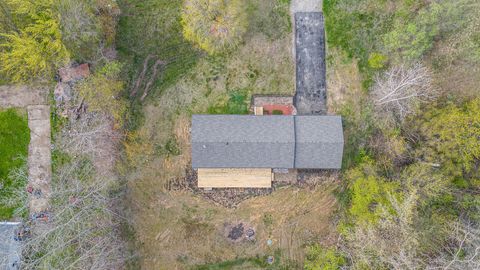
(277, 112)
(452, 137)
(411, 40)
(103, 92)
(214, 25)
(370, 194)
(413, 36)
(377, 60)
(80, 29)
(36, 50)
(320, 258)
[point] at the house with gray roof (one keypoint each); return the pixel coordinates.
(274, 141)
(266, 142)
(244, 150)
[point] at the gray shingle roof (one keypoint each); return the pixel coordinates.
(242, 141)
(319, 142)
(249, 141)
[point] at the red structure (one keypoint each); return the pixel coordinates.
(270, 109)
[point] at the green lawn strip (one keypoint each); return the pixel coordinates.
(237, 104)
(257, 262)
(243, 262)
(14, 139)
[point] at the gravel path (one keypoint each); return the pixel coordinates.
(305, 6)
(39, 157)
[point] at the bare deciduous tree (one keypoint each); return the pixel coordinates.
(401, 89)
(83, 230)
(463, 249)
(91, 135)
(83, 226)
(390, 243)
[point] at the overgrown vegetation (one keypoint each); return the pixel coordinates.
(105, 91)
(84, 231)
(403, 74)
(84, 226)
(410, 199)
(37, 38)
(32, 46)
(161, 36)
(214, 25)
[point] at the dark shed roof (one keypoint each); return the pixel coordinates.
(249, 141)
(319, 142)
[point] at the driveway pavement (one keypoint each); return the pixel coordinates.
(310, 89)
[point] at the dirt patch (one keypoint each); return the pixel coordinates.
(312, 178)
(19, 96)
(305, 6)
(74, 73)
(240, 231)
(287, 219)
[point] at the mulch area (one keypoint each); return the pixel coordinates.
(232, 197)
(227, 197)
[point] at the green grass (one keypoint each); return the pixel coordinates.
(152, 27)
(254, 263)
(14, 139)
(259, 262)
(357, 31)
(237, 104)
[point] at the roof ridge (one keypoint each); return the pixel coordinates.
(294, 141)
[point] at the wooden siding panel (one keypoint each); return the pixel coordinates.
(234, 178)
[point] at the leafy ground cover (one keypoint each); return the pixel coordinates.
(14, 139)
(142, 31)
(398, 175)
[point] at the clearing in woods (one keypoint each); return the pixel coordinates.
(176, 227)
